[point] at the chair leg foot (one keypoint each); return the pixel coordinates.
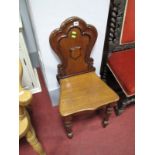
(119, 110)
(70, 135)
(68, 126)
(33, 141)
(106, 114)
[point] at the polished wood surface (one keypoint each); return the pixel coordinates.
(25, 127)
(25, 97)
(73, 43)
(84, 92)
(81, 90)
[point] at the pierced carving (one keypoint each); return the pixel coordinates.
(73, 43)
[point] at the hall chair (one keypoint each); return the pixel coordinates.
(118, 62)
(25, 127)
(81, 90)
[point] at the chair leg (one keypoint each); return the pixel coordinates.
(68, 126)
(120, 107)
(33, 141)
(119, 111)
(106, 114)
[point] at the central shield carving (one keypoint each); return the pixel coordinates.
(75, 52)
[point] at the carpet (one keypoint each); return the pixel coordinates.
(90, 138)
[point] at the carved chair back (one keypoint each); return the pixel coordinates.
(73, 43)
(120, 32)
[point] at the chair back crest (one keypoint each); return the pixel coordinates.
(73, 43)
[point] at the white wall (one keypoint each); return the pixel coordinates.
(47, 15)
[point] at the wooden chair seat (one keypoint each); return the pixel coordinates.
(80, 88)
(84, 92)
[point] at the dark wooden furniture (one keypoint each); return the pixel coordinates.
(81, 90)
(118, 62)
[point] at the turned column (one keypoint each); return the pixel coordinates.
(68, 126)
(33, 141)
(107, 110)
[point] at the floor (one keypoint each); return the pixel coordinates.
(89, 137)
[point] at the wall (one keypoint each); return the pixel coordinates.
(28, 33)
(49, 14)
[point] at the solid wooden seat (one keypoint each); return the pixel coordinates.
(81, 89)
(84, 92)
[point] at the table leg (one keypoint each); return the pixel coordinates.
(33, 141)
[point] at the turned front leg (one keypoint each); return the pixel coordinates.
(107, 110)
(68, 126)
(33, 141)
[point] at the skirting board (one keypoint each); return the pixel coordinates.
(54, 96)
(38, 88)
(34, 59)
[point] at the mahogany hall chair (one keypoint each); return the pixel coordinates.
(25, 127)
(118, 62)
(81, 90)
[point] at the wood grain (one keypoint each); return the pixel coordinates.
(84, 92)
(81, 90)
(25, 127)
(73, 43)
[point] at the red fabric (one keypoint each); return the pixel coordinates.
(122, 65)
(89, 136)
(129, 23)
